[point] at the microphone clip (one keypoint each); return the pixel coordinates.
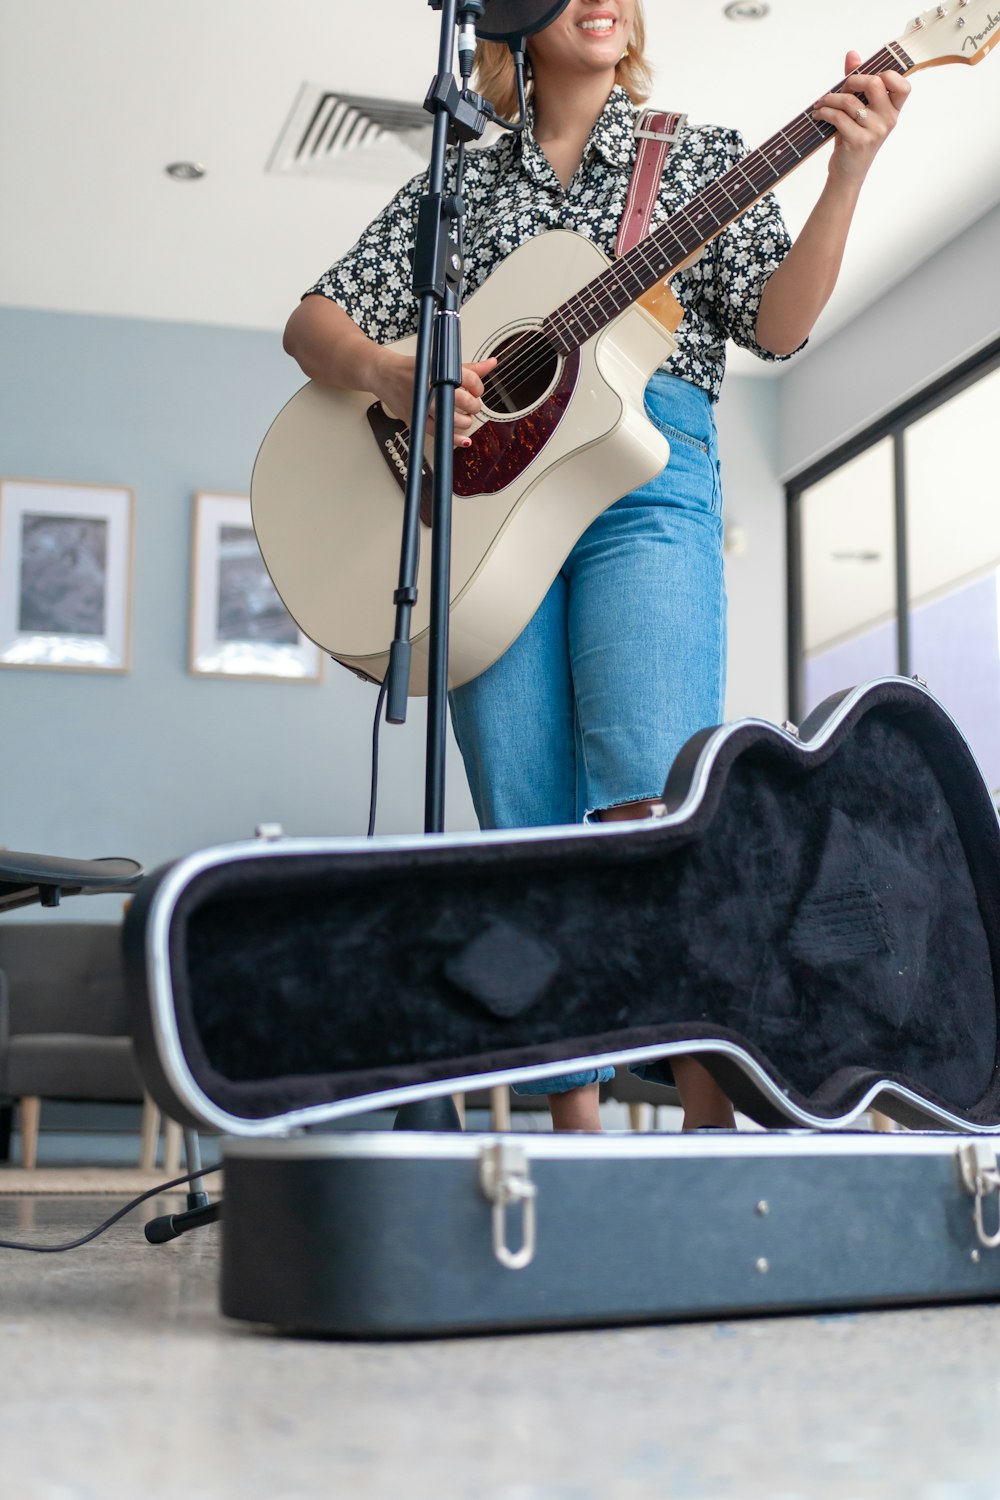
(468, 112)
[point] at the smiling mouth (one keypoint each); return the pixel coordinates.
(597, 28)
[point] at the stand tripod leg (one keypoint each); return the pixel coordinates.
(199, 1209)
(169, 1226)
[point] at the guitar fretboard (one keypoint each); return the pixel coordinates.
(700, 220)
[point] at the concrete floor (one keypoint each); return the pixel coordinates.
(120, 1379)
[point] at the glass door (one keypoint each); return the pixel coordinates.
(849, 594)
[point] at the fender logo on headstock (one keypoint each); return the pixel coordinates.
(974, 42)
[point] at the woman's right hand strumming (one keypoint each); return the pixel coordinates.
(331, 349)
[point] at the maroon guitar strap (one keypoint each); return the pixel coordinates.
(656, 132)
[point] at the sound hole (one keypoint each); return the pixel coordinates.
(526, 371)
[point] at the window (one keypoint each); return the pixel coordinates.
(849, 575)
(894, 558)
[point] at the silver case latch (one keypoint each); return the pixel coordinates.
(977, 1163)
(505, 1178)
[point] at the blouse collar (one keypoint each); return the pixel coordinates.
(612, 138)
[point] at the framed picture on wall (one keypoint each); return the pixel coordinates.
(239, 626)
(65, 575)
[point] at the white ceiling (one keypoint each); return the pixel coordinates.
(96, 96)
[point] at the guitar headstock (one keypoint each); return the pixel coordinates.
(956, 31)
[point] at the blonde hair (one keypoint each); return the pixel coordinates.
(494, 75)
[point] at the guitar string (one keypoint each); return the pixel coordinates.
(538, 350)
(567, 319)
(600, 295)
(600, 292)
(600, 299)
(715, 193)
(617, 288)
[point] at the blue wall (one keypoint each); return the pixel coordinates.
(157, 762)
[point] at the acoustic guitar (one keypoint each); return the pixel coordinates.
(563, 433)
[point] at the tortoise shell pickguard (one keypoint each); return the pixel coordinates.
(501, 451)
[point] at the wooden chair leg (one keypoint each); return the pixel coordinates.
(637, 1115)
(150, 1135)
(500, 1107)
(29, 1114)
(459, 1102)
(882, 1122)
(173, 1135)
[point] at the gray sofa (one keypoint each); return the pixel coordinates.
(64, 1030)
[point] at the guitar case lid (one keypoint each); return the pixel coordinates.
(817, 917)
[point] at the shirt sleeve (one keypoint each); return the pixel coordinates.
(744, 257)
(373, 282)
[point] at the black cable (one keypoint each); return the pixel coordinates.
(515, 126)
(518, 55)
(153, 1192)
(373, 804)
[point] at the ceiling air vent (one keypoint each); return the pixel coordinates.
(332, 133)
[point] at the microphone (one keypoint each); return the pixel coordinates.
(512, 20)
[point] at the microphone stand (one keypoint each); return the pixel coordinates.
(437, 281)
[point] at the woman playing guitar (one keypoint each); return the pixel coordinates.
(625, 658)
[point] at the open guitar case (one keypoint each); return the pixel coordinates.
(817, 917)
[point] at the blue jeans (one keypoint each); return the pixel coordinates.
(622, 662)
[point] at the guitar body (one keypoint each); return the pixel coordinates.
(328, 504)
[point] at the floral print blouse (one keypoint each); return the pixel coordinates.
(512, 194)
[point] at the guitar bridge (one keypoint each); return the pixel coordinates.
(393, 439)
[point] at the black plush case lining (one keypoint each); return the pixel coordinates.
(832, 911)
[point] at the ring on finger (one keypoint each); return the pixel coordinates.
(861, 114)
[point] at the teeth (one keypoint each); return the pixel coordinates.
(597, 25)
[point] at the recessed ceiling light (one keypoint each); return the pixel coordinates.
(185, 171)
(746, 10)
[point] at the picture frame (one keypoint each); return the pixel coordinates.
(239, 626)
(66, 560)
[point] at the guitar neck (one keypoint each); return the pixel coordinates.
(700, 221)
